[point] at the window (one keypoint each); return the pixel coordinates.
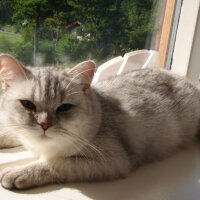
(185, 58)
(63, 33)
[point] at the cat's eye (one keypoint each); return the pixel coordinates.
(64, 107)
(28, 104)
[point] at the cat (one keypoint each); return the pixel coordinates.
(91, 132)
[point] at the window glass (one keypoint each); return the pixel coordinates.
(63, 33)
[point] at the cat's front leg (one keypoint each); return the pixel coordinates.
(31, 175)
(63, 171)
(8, 140)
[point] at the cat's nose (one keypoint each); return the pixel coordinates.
(45, 125)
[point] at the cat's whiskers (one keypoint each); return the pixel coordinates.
(71, 88)
(77, 145)
(77, 76)
(16, 128)
(18, 125)
(16, 131)
(82, 150)
(74, 93)
(85, 144)
(87, 151)
(78, 149)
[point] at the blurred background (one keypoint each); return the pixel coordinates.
(65, 32)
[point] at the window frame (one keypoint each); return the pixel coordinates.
(186, 37)
(166, 30)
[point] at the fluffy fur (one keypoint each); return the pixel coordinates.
(113, 127)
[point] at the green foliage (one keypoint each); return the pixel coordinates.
(53, 27)
(28, 32)
(29, 10)
(6, 12)
(115, 26)
(9, 28)
(24, 52)
(110, 28)
(138, 24)
(47, 51)
(8, 42)
(13, 44)
(71, 49)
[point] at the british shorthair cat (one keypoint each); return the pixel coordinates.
(86, 132)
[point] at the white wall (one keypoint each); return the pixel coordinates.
(194, 65)
(185, 56)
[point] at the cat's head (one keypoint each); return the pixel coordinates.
(52, 110)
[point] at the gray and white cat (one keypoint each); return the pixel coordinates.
(85, 132)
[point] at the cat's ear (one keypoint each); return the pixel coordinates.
(11, 71)
(84, 73)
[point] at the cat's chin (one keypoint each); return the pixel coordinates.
(44, 137)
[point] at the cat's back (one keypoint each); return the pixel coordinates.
(150, 84)
(151, 91)
(155, 110)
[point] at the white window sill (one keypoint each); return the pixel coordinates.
(177, 177)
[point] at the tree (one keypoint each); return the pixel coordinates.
(109, 27)
(116, 26)
(6, 12)
(37, 12)
(138, 22)
(30, 11)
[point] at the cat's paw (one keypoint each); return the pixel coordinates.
(8, 141)
(27, 176)
(16, 178)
